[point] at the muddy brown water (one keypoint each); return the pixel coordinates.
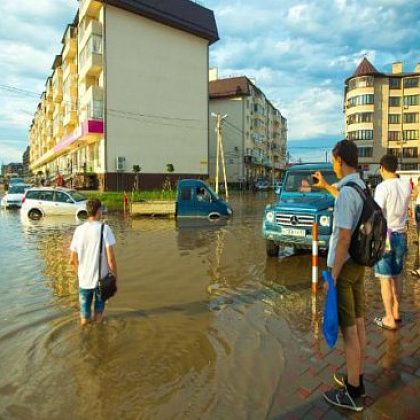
(203, 325)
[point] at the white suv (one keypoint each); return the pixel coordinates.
(49, 201)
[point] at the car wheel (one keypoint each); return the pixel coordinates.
(82, 215)
(34, 214)
(272, 249)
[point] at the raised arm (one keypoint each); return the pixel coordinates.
(322, 183)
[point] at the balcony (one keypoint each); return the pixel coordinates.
(92, 103)
(89, 8)
(58, 85)
(87, 28)
(90, 58)
(69, 69)
(70, 44)
(49, 109)
(70, 116)
(49, 92)
(70, 88)
(58, 128)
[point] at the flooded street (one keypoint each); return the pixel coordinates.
(203, 325)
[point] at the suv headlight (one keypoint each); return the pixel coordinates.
(269, 216)
(324, 220)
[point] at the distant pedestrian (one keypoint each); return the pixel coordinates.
(416, 198)
(393, 195)
(348, 277)
(84, 258)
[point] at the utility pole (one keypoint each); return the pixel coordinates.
(220, 152)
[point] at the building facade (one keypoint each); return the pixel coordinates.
(254, 132)
(382, 115)
(130, 87)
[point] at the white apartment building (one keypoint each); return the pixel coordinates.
(130, 87)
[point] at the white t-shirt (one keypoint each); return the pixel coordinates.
(85, 244)
(393, 196)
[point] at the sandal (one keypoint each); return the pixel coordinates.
(415, 273)
(379, 323)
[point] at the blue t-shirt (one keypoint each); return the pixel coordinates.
(347, 211)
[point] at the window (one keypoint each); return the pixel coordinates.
(411, 100)
(360, 82)
(409, 166)
(394, 101)
(186, 194)
(394, 119)
(412, 82)
(360, 117)
(394, 83)
(32, 195)
(393, 152)
(303, 179)
(46, 195)
(76, 196)
(412, 117)
(61, 197)
(394, 135)
(361, 100)
(410, 152)
(411, 134)
(365, 151)
(360, 135)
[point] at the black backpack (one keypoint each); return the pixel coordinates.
(369, 238)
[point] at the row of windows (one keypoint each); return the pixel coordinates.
(408, 152)
(407, 135)
(408, 118)
(365, 151)
(409, 100)
(360, 82)
(360, 117)
(360, 135)
(361, 100)
(395, 82)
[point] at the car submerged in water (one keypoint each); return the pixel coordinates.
(14, 196)
(289, 221)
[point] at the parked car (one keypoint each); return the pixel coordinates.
(49, 201)
(277, 184)
(289, 220)
(14, 196)
(15, 181)
(261, 184)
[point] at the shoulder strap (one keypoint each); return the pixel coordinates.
(100, 251)
(364, 193)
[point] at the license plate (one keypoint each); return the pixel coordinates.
(293, 232)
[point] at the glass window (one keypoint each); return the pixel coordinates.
(412, 82)
(394, 135)
(394, 119)
(411, 134)
(365, 151)
(394, 83)
(62, 197)
(186, 194)
(46, 195)
(394, 101)
(32, 195)
(360, 135)
(302, 181)
(16, 189)
(411, 100)
(412, 117)
(76, 196)
(410, 152)
(393, 152)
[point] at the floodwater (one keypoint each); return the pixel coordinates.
(203, 325)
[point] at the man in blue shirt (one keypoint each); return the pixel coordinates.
(348, 277)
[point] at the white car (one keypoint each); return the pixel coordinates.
(51, 201)
(14, 196)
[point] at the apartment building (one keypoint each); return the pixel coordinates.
(254, 131)
(382, 114)
(130, 87)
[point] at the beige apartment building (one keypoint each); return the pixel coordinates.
(130, 87)
(254, 132)
(382, 115)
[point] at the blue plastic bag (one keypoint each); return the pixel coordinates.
(330, 325)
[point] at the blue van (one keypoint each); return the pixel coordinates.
(289, 220)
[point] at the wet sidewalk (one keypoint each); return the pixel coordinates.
(392, 366)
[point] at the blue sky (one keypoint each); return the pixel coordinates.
(299, 52)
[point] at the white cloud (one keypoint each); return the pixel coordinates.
(11, 151)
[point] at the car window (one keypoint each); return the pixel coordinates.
(76, 196)
(61, 197)
(32, 195)
(16, 181)
(17, 189)
(301, 181)
(46, 195)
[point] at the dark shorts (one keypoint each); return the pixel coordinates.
(351, 293)
(392, 263)
(85, 300)
(417, 214)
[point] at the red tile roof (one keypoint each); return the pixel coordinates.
(365, 68)
(228, 88)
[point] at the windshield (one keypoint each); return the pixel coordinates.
(16, 181)
(17, 189)
(302, 181)
(76, 196)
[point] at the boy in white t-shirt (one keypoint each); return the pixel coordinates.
(84, 259)
(393, 196)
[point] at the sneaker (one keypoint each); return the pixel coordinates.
(340, 379)
(341, 398)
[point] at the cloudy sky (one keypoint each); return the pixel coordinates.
(299, 52)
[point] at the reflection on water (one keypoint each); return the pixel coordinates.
(203, 324)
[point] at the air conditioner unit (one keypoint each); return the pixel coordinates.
(121, 161)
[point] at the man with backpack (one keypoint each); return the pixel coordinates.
(348, 277)
(393, 196)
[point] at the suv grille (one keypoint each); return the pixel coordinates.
(298, 220)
